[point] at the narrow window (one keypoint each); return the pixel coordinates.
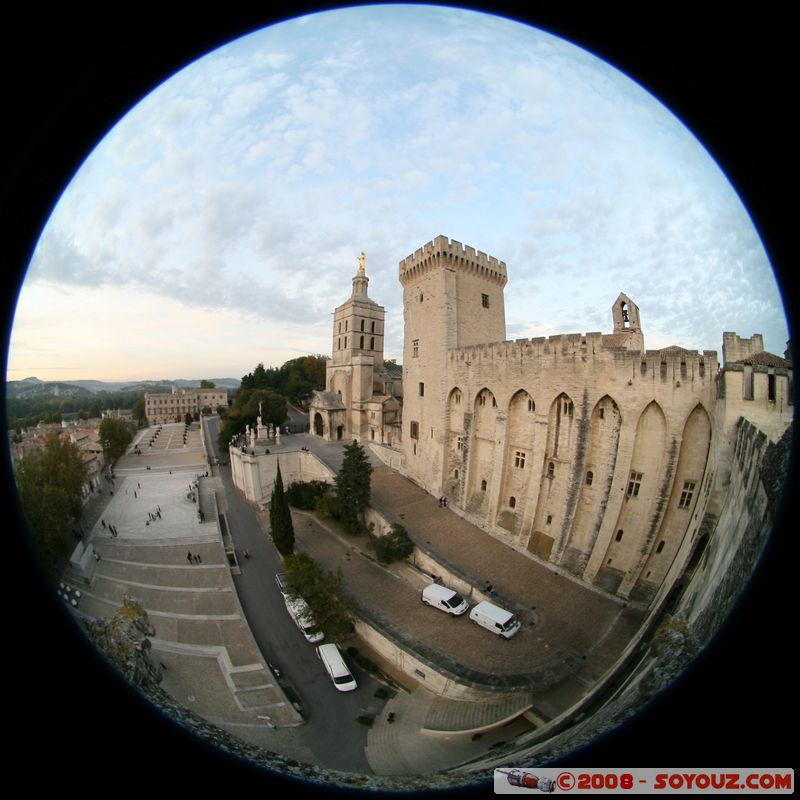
(414, 431)
(361, 343)
(531, 407)
(494, 402)
(660, 547)
(422, 389)
(457, 398)
(460, 442)
(634, 483)
(455, 474)
(687, 494)
(485, 300)
(519, 459)
(549, 518)
(619, 536)
(589, 478)
(483, 486)
(371, 342)
(415, 345)
(602, 412)
(512, 502)
(345, 341)
(551, 470)
(362, 324)
(345, 326)
(771, 388)
(373, 328)
(340, 327)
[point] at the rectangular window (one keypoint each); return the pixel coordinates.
(687, 494)
(415, 345)
(634, 483)
(371, 342)
(460, 442)
(421, 389)
(519, 459)
(771, 388)
(414, 432)
(485, 300)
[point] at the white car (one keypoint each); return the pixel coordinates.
(444, 599)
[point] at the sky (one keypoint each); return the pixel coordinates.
(219, 223)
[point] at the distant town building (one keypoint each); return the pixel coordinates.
(162, 407)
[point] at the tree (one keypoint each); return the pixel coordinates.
(115, 436)
(273, 407)
(139, 412)
(204, 384)
(332, 610)
(50, 483)
(280, 518)
(352, 487)
(187, 418)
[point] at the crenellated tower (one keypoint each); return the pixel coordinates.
(452, 297)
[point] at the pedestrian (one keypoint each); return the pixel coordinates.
(199, 560)
(96, 556)
(444, 502)
(440, 502)
(139, 484)
(189, 557)
(134, 494)
(159, 514)
(488, 588)
(102, 523)
(247, 554)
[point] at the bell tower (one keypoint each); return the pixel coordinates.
(357, 348)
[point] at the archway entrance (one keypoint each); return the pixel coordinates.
(318, 424)
(339, 432)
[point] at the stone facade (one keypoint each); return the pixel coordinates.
(586, 450)
(163, 407)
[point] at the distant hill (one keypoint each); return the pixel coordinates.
(33, 387)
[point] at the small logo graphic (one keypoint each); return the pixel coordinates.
(527, 780)
(565, 781)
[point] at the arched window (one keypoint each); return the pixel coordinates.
(589, 478)
(531, 406)
(512, 502)
(619, 536)
(361, 343)
(455, 474)
(362, 324)
(483, 486)
(660, 547)
(551, 470)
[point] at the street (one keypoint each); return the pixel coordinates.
(332, 731)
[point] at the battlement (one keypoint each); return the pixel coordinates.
(593, 345)
(454, 255)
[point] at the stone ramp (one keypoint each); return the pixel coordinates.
(405, 747)
(460, 716)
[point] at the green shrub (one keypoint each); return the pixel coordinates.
(304, 495)
(394, 546)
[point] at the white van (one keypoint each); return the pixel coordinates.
(332, 659)
(298, 611)
(495, 619)
(444, 599)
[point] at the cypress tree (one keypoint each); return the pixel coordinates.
(280, 518)
(353, 487)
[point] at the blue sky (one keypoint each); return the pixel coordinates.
(219, 223)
